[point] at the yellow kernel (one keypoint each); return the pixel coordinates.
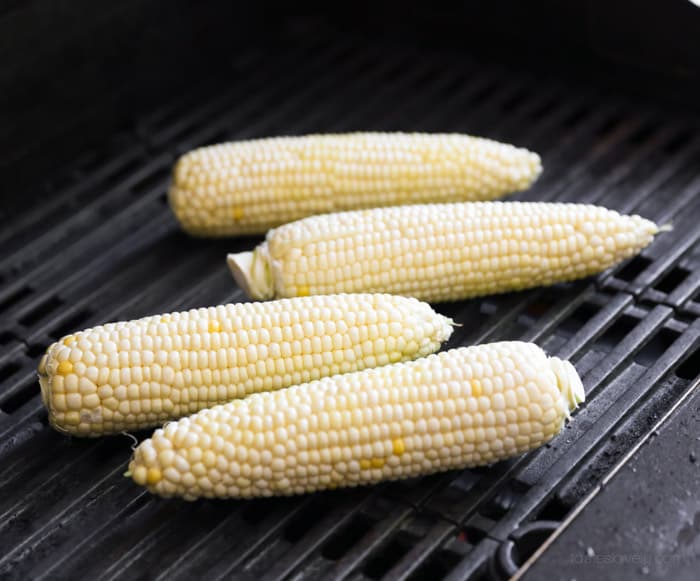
(69, 340)
(140, 475)
(214, 326)
(303, 291)
(237, 213)
(154, 476)
(65, 367)
(476, 388)
(377, 462)
(399, 446)
(365, 464)
(72, 418)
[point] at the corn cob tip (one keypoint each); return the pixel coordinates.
(445, 331)
(648, 227)
(569, 383)
(535, 168)
(251, 270)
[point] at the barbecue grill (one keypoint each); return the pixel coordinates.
(96, 114)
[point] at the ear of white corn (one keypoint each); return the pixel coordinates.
(250, 186)
(440, 252)
(461, 408)
(137, 374)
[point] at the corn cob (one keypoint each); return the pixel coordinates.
(133, 375)
(250, 186)
(460, 408)
(440, 252)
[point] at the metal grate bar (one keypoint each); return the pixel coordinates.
(532, 499)
(539, 461)
(421, 551)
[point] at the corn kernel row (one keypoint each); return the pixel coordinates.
(250, 186)
(137, 374)
(465, 407)
(440, 252)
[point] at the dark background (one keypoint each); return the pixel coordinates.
(74, 72)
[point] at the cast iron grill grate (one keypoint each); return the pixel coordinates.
(103, 247)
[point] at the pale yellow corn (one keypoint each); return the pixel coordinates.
(251, 186)
(440, 252)
(138, 374)
(465, 407)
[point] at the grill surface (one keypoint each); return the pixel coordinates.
(103, 247)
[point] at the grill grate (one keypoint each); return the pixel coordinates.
(634, 332)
